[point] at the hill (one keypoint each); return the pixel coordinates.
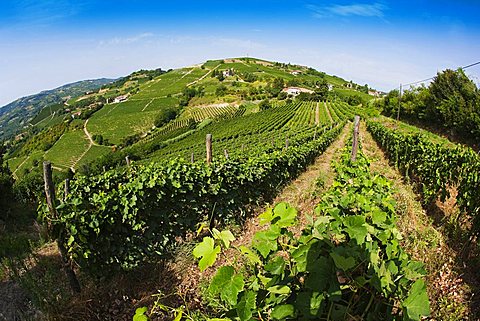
(144, 112)
(15, 116)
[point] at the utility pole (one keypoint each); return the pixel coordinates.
(399, 102)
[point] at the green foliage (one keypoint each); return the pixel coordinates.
(435, 167)
(207, 251)
(142, 209)
(264, 105)
(43, 140)
(221, 91)
(451, 101)
(6, 184)
(140, 314)
(164, 116)
(347, 264)
(227, 285)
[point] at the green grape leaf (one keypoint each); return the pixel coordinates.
(309, 303)
(279, 289)
(286, 215)
(207, 251)
(246, 305)
(266, 217)
(250, 255)
(321, 273)
(140, 314)
(417, 304)
(284, 311)
(266, 241)
(414, 270)
(379, 217)
(356, 228)
(276, 266)
(224, 236)
(227, 284)
(341, 262)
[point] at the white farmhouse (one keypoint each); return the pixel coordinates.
(121, 98)
(295, 91)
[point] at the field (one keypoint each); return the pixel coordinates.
(93, 153)
(68, 149)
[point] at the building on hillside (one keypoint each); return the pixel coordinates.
(19, 136)
(295, 91)
(330, 87)
(374, 93)
(295, 72)
(121, 98)
(227, 73)
(349, 85)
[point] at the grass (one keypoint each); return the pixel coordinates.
(13, 163)
(93, 153)
(350, 92)
(45, 113)
(137, 115)
(116, 126)
(406, 128)
(68, 149)
(20, 165)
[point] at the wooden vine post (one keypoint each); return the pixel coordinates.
(317, 115)
(356, 129)
(209, 148)
(50, 196)
(127, 160)
(286, 143)
(226, 153)
(67, 189)
(192, 158)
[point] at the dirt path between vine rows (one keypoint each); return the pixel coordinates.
(300, 192)
(328, 112)
(297, 193)
(449, 293)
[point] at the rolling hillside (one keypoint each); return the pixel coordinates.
(146, 111)
(17, 115)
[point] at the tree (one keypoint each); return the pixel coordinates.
(164, 116)
(282, 95)
(221, 90)
(264, 105)
(455, 99)
(364, 89)
(321, 92)
(187, 94)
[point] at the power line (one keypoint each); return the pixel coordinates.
(421, 81)
(425, 80)
(471, 65)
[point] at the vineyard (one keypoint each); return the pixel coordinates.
(184, 201)
(348, 263)
(435, 167)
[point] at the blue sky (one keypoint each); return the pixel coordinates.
(44, 44)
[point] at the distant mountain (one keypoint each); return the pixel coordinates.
(15, 116)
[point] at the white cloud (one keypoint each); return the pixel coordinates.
(355, 9)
